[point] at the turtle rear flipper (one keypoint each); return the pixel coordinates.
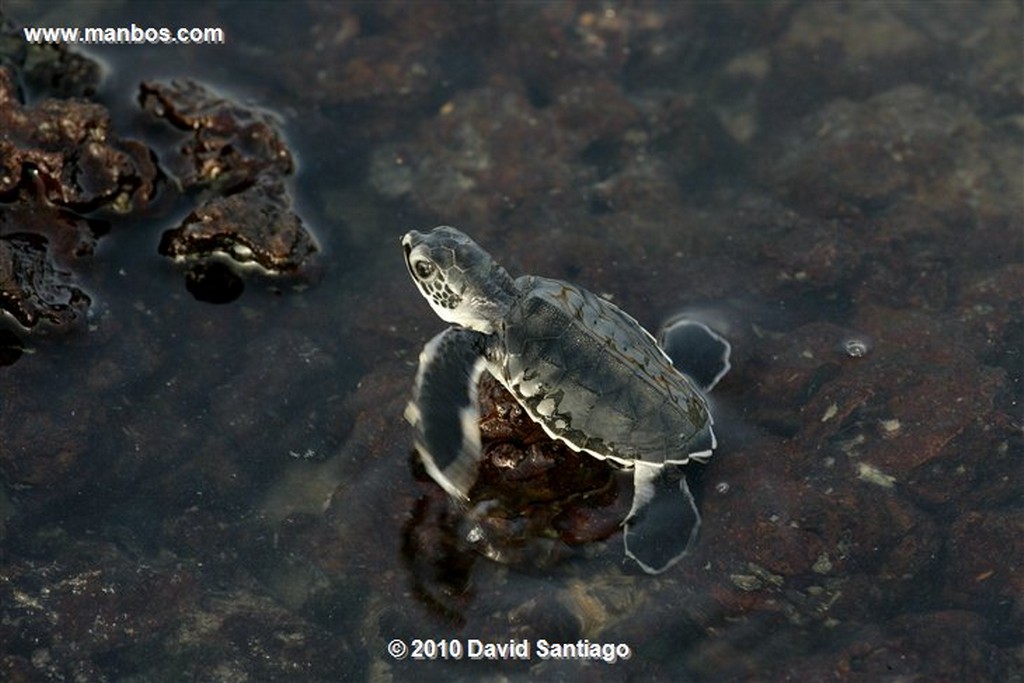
(443, 409)
(662, 525)
(696, 350)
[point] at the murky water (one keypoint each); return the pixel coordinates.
(227, 492)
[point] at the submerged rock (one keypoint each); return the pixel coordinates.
(33, 288)
(47, 69)
(534, 500)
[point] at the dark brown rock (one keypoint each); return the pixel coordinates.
(460, 164)
(378, 66)
(986, 564)
(910, 405)
(534, 498)
(866, 156)
(934, 645)
(916, 169)
(59, 159)
(827, 51)
(65, 152)
(106, 605)
(237, 154)
(991, 309)
(987, 64)
(47, 69)
(33, 288)
(255, 225)
(228, 145)
(539, 481)
(69, 235)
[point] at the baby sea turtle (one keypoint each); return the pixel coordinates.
(585, 371)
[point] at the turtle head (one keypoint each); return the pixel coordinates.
(461, 281)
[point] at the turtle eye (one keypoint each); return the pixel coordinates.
(423, 269)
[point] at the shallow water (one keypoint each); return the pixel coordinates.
(227, 491)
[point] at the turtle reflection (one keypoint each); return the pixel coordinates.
(536, 503)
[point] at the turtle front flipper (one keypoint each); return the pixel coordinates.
(444, 409)
(696, 350)
(662, 525)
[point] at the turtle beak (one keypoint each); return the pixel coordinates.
(409, 242)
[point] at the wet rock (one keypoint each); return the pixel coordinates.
(937, 406)
(986, 567)
(903, 647)
(58, 160)
(461, 164)
(98, 610)
(228, 145)
(794, 367)
(904, 412)
(69, 235)
(696, 146)
(238, 157)
(563, 42)
(539, 480)
(595, 116)
(254, 226)
(33, 288)
(639, 65)
(379, 66)
(241, 405)
(912, 647)
(243, 635)
(41, 247)
(990, 308)
(45, 440)
(279, 610)
(836, 51)
(643, 47)
(818, 545)
(913, 169)
(987, 57)
(534, 498)
(865, 156)
(73, 616)
(841, 517)
(50, 70)
(821, 257)
(65, 152)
